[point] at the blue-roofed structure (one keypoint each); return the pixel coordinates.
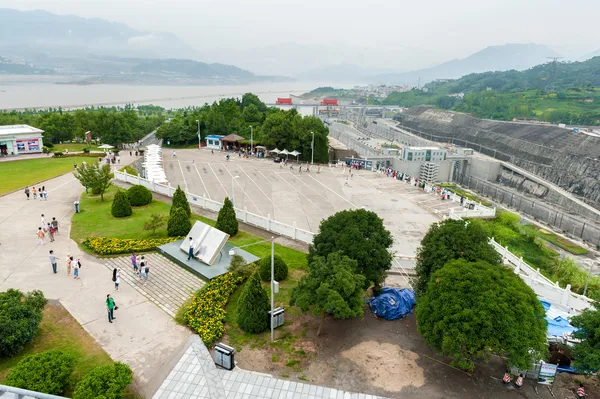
(213, 142)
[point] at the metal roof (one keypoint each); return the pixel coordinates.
(18, 129)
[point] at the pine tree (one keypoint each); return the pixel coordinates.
(180, 201)
(121, 206)
(227, 221)
(179, 223)
(253, 306)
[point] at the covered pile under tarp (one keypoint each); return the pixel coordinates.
(393, 303)
(558, 324)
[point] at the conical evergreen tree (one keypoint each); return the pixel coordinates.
(180, 201)
(120, 206)
(253, 306)
(179, 223)
(227, 221)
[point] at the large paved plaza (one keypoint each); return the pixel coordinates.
(288, 196)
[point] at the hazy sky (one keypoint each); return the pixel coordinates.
(438, 29)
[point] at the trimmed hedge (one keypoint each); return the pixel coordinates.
(139, 195)
(253, 307)
(121, 207)
(281, 268)
(20, 317)
(106, 382)
(179, 223)
(46, 372)
(114, 246)
(226, 220)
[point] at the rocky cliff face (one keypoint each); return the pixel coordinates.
(561, 156)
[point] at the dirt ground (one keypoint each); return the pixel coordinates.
(389, 358)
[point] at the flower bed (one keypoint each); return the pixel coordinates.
(206, 314)
(113, 246)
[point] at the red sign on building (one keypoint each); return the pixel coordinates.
(330, 102)
(284, 101)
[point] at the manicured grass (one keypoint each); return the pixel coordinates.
(458, 191)
(18, 174)
(74, 147)
(60, 331)
(557, 240)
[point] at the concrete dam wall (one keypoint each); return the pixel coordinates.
(560, 156)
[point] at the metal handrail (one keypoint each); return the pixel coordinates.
(25, 392)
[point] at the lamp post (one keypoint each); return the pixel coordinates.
(233, 189)
(312, 147)
(199, 141)
(251, 141)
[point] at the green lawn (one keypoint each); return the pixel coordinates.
(458, 191)
(18, 174)
(60, 331)
(558, 241)
(74, 147)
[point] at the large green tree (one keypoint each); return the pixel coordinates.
(360, 235)
(253, 306)
(452, 239)
(471, 310)
(587, 352)
(95, 176)
(332, 286)
(180, 201)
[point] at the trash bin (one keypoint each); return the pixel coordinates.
(278, 317)
(76, 204)
(224, 356)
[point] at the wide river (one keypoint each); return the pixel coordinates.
(19, 95)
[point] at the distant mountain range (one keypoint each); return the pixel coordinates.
(493, 58)
(342, 73)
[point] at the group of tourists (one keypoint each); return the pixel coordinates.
(39, 192)
(49, 229)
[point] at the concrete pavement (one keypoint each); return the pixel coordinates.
(143, 335)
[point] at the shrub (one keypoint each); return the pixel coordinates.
(239, 267)
(106, 382)
(20, 317)
(45, 150)
(121, 207)
(139, 195)
(46, 372)
(49, 144)
(226, 220)
(59, 154)
(180, 201)
(179, 223)
(130, 170)
(207, 311)
(86, 150)
(281, 268)
(507, 218)
(114, 246)
(156, 221)
(253, 307)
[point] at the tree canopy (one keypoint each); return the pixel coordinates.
(332, 286)
(226, 220)
(95, 176)
(253, 306)
(471, 310)
(448, 240)
(587, 352)
(360, 235)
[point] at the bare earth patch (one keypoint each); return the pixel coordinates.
(387, 366)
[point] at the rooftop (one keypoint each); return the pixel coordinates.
(424, 148)
(18, 129)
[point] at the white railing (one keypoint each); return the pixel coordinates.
(541, 285)
(243, 215)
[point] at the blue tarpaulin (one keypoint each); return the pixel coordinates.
(557, 325)
(393, 303)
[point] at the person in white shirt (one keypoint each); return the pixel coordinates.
(191, 250)
(43, 219)
(75, 267)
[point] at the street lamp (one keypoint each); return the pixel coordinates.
(233, 189)
(199, 141)
(312, 147)
(251, 137)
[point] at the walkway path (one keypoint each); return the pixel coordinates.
(143, 335)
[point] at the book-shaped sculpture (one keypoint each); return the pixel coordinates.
(207, 240)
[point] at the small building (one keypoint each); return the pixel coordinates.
(20, 139)
(283, 101)
(213, 142)
(428, 154)
(329, 102)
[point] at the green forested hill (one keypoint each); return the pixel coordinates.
(557, 93)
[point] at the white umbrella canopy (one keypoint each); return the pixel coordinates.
(284, 152)
(295, 153)
(106, 146)
(276, 151)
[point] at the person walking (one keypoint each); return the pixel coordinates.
(45, 193)
(27, 192)
(43, 220)
(110, 307)
(143, 268)
(134, 262)
(54, 224)
(191, 250)
(51, 232)
(116, 278)
(40, 193)
(146, 272)
(52, 261)
(68, 263)
(34, 192)
(40, 234)
(75, 266)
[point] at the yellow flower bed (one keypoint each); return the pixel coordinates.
(113, 246)
(207, 311)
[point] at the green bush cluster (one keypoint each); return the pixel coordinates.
(105, 382)
(20, 317)
(253, 307)
(281, 268)
(179, 223)
(226, 220)
(121, 207)
(86, 150)
(59, 154)
(139, 195)
(46, 372)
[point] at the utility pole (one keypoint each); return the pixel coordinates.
(552, 79)
(251, 142)
(199, 137)
(312, 147)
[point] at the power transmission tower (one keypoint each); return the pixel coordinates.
(552, 79)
